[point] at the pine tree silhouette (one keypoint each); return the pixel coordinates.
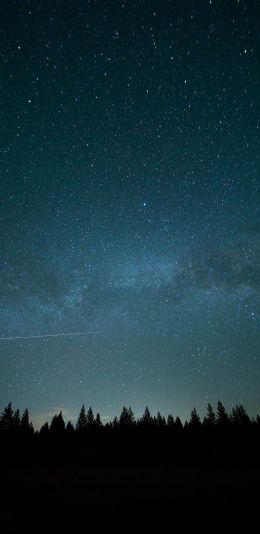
(6, 419)
(239, 416)
(178, 424)
(170, 421)
(44, 430)
(194, 419)
(16, 421)
(126, 418)
(69, 427)
(115, 423)
(25, 422)
(222, 416)
(210, 419)
(160, 420)
(147, 418)
(90, 418)
(57, 424)
(82, 420)
(98, 422)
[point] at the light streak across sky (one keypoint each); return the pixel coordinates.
(11, 338)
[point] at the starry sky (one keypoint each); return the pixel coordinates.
(129, 161)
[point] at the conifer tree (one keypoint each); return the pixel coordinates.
(222, 416)
(239, 416)
(131, 416)
(82, 420)
(126, 418)
(194, 419)
(44, 429)
(178, 424)
(57, 424)
(6, 419)
(69, 427)
(16, 420)
(147, 418)
(170, 421)
(90, 418)
(210, 419)
(160, 420)
(25, 423)
(115, 422)
(98, 422)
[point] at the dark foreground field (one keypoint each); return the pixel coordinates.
(57, 487)
(46, 499)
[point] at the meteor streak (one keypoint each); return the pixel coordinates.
(52, 335)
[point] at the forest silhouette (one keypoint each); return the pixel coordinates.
(14, 425)
(153, 461)
(219, 438)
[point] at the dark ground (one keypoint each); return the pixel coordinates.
(54, 490)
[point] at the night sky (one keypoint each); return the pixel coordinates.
(129, 158)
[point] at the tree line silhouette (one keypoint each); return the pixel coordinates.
(146, 462)
(11, 422)
(147, 459)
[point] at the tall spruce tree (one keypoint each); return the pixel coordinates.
(210, 419)
(16, 421)
(90, 418)
(25, 422)
(126, 418)
(146, 419)
(160, 420)
(82, 420)
(69, 427)
(57, 425)
(178, 424)
(194, 419)
(239, 417)
(170, 421)
(115, 422)
(6, 419)
(44, 430)
(98, 422)
(222, 416)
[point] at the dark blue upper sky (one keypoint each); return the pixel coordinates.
(130, 204)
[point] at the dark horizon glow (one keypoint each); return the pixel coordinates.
(129, 184)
